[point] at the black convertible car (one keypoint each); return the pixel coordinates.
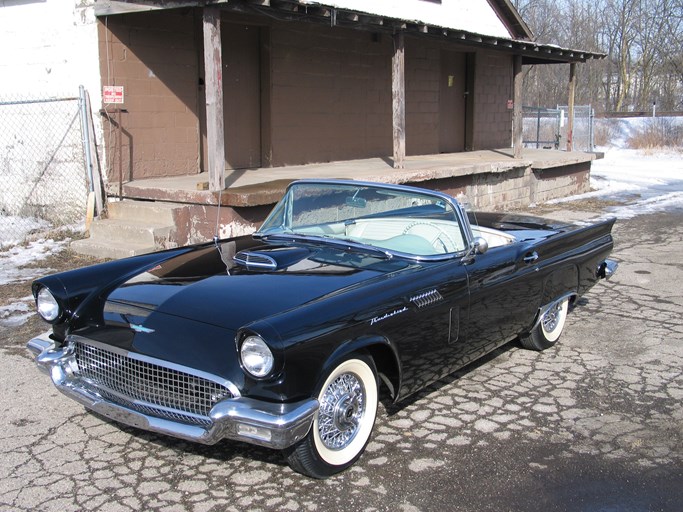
(282, 338)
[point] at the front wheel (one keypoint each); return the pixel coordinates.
(343, 424)
(548, 330)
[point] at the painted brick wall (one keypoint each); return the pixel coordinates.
(493, 85)
(330, 94)
(422, 96)
(49, 48)
(155, 58)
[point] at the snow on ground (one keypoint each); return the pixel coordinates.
(648, 181)
(12, 270)
(14, 229)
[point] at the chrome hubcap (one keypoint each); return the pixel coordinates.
(341, 410)
(552, 318)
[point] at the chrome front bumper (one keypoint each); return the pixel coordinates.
(267, 424)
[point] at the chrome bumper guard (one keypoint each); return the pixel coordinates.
(607, 269)
(252, 421)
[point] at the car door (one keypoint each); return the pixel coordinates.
(505, 289)
(426, 323)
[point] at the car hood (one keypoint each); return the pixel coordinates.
(208, 286)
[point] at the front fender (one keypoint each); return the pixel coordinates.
(75, 289)
(383, 352)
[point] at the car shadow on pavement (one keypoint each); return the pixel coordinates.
(223, 451)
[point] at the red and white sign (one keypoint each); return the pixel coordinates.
(112, 94)
(511, 104)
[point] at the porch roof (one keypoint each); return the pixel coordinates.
(323, 12)
(257, 187)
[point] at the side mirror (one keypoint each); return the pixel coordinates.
(480, 245)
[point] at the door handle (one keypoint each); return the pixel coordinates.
(531, 258)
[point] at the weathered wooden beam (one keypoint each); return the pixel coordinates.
(398, 96)
(213, 79)
(517, 118)
(570, 120)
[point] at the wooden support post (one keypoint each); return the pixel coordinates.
(517, 117)
(570, 114)
(398, 95)
(213, 68)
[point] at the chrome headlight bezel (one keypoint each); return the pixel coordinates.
(47, 306)
(256, 357)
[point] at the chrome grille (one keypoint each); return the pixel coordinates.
(147, 387)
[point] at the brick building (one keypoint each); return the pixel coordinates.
(303, 83)
(225, 102)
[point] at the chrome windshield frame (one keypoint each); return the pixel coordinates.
(460, 214)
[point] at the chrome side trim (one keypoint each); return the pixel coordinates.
(425, 299)
(273, 425)
(255, 260)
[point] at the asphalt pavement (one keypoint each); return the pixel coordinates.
(592, 424)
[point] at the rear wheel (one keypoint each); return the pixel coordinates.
(343, 424)
(548, 330)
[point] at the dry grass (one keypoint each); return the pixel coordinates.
(657, 133)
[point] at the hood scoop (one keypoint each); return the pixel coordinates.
(271, 259)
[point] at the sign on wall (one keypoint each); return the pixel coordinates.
(112, 94)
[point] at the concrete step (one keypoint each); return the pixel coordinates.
(133, 227)
(137, 232)
(110, 249)
(147, 211)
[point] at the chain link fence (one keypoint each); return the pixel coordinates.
(547, 127)
(42, 166)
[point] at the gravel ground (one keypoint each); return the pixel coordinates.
(593, 424)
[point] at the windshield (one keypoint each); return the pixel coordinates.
(400, 220)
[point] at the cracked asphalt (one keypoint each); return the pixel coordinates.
(592, 424)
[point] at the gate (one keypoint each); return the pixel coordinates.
(42, 166)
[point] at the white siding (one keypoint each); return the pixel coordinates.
(471, 15)
(48, 48)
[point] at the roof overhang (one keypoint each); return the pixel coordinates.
(294, 10)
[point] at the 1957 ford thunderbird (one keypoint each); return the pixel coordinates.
(283, 338)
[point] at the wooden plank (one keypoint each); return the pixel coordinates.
(398, 95)
(570, 120)
(517, 119)
(213, 66)
(98, 183)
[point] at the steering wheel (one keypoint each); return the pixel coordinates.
(440, 240)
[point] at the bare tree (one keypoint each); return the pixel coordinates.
(643, 40)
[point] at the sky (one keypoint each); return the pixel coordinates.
(646, 181)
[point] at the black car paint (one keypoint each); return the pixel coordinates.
(200, 305)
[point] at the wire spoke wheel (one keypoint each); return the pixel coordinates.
(341, 411)
(549, 329)
(342, 426)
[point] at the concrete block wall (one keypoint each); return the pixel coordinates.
(330, 94)
(422, 75)
(516, 188)
(493, 84)
(153, 55)
(548, 184)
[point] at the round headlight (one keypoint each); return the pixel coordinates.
(47, 305)
(256, 357)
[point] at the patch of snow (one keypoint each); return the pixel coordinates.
(13, 260)
(17, 312)
(646, 180)
(14, 229)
